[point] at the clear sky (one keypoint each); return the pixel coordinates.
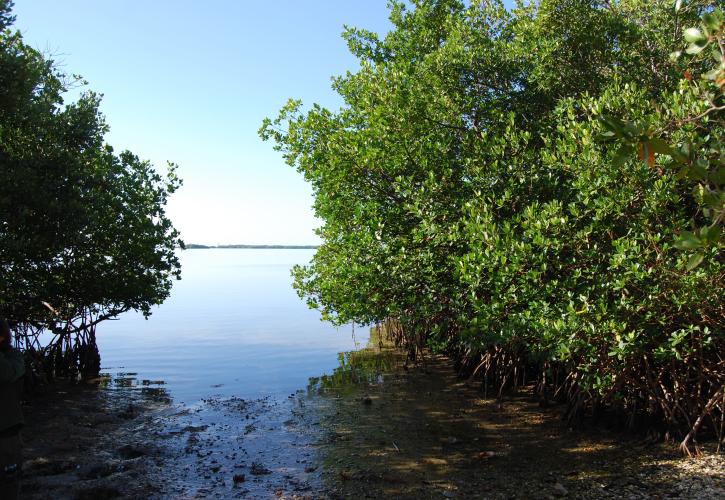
(190, 82)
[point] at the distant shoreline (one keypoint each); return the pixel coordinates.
(194, 246)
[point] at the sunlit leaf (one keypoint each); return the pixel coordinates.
(693, 49)
(694, 261)
(694, 35)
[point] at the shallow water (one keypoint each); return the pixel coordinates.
(233, 326)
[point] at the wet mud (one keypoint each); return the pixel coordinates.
(371, 429)
(126, 439)
(424, 433)
(82, 441)
(237, 448)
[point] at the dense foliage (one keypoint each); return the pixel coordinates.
(538, 192)
(83, 233)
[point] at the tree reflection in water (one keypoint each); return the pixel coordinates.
(367, 366)
(153, 390)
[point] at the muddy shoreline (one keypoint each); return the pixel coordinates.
(85, 442)
(81, 442)
(424, 433)
(369, 430)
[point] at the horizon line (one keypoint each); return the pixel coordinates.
(247, 245)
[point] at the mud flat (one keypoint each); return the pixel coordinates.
(90, 442)
(424, 433)
(369, 430)
(83, 441)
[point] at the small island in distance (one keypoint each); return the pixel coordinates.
(191, 246)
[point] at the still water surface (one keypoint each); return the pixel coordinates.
(233, 326)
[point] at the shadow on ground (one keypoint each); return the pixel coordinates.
(424, 433)
(369, 430)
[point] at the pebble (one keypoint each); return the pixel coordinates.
(560, 490)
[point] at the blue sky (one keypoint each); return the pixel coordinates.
(190, 82)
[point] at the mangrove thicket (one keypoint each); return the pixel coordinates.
(536, 192)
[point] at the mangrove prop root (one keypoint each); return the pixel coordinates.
(677, 400)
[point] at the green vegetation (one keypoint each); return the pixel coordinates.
(536, 192)
(83, 232)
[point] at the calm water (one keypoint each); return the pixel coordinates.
(232, 326)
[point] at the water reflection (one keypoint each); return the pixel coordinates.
(233, 326)
(152, 390)
(368, 366)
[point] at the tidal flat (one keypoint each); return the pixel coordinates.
(370, 429)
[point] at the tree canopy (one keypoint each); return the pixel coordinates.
(535, 192)
(83, 232)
